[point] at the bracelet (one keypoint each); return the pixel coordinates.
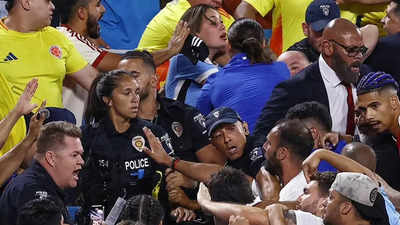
(175, 160)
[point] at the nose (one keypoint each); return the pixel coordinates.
(52, 7)
(369, 115)
(81, 161)
(227, 137)
(102, 9)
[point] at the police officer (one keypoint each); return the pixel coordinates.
(55, 168)
(184, 124)
(230, 135)
(114, 140)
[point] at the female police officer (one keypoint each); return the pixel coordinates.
(113, 142)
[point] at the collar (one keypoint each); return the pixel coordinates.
(109, 127)
(238, 59)
(39, 169)
(328, 75)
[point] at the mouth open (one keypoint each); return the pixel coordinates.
(223, 37)
(75, 174)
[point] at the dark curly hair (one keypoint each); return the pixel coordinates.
(144, 209)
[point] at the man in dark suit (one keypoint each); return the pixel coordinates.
(328, 81)
(383, 58)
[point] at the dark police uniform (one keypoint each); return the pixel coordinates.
(251, 160)
(185, 126)
(34, 183)
(305, 47)
(116, 165)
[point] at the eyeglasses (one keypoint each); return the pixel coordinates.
(212, 22)
(352, 51)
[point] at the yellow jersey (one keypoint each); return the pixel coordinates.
(161, 28)
(47, 55)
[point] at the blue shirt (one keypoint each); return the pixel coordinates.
(394, 216)
(324, 165)
(242, 86)
(182, 69)
(125, 20)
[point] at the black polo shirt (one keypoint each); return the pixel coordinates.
(116, 165)
(251, 160)
(185, 126)
(33, 183)
(305, 47)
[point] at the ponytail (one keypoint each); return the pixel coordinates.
(247, 36)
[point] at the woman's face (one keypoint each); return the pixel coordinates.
(124, 100)
(212, 30)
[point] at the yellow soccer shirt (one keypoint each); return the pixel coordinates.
(46, 55)
(287, 17)
(161, 28)
(7, 103)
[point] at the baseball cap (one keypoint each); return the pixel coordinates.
(364, 195)
(53, 114)
(320, 12)
(221, 115)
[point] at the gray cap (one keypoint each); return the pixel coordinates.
(357, 187)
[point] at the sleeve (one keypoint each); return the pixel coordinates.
(256, 157)
(198, 130)
(275, 109)
(74, 61)
(262, 6)
(158, 32)
(204, 104)
(185, 70)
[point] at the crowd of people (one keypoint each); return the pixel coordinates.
(208, 121)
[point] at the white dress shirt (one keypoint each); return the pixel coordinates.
(292, 190)
(337, 96)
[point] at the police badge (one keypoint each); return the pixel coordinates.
(177, 128)
(138, 143)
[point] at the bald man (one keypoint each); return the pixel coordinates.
(328, 81)
(296, 61)
(361, 153)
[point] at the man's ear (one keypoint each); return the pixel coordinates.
(82, 13)
(245, 128)
(282, 153)
(305, 28)
(316, 136)
(327, 47)
(25, 4)
(50, 158)
(394, 102)
(154, 80)
(345, 208)
(107, 101)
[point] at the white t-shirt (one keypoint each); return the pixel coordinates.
(292, 190)
(306, 218)
(74, 96)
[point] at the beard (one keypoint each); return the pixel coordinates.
(273, 166)
(92, 25)
(343, 70)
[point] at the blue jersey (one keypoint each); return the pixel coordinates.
(181, 69)
(242, 86)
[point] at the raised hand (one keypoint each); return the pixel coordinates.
(24, 105)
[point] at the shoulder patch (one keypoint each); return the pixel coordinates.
(138, 143)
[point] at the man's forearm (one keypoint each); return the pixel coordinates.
(13, 159)
(162, 55)
(7, 124)
(197, 171)
(223, 211)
